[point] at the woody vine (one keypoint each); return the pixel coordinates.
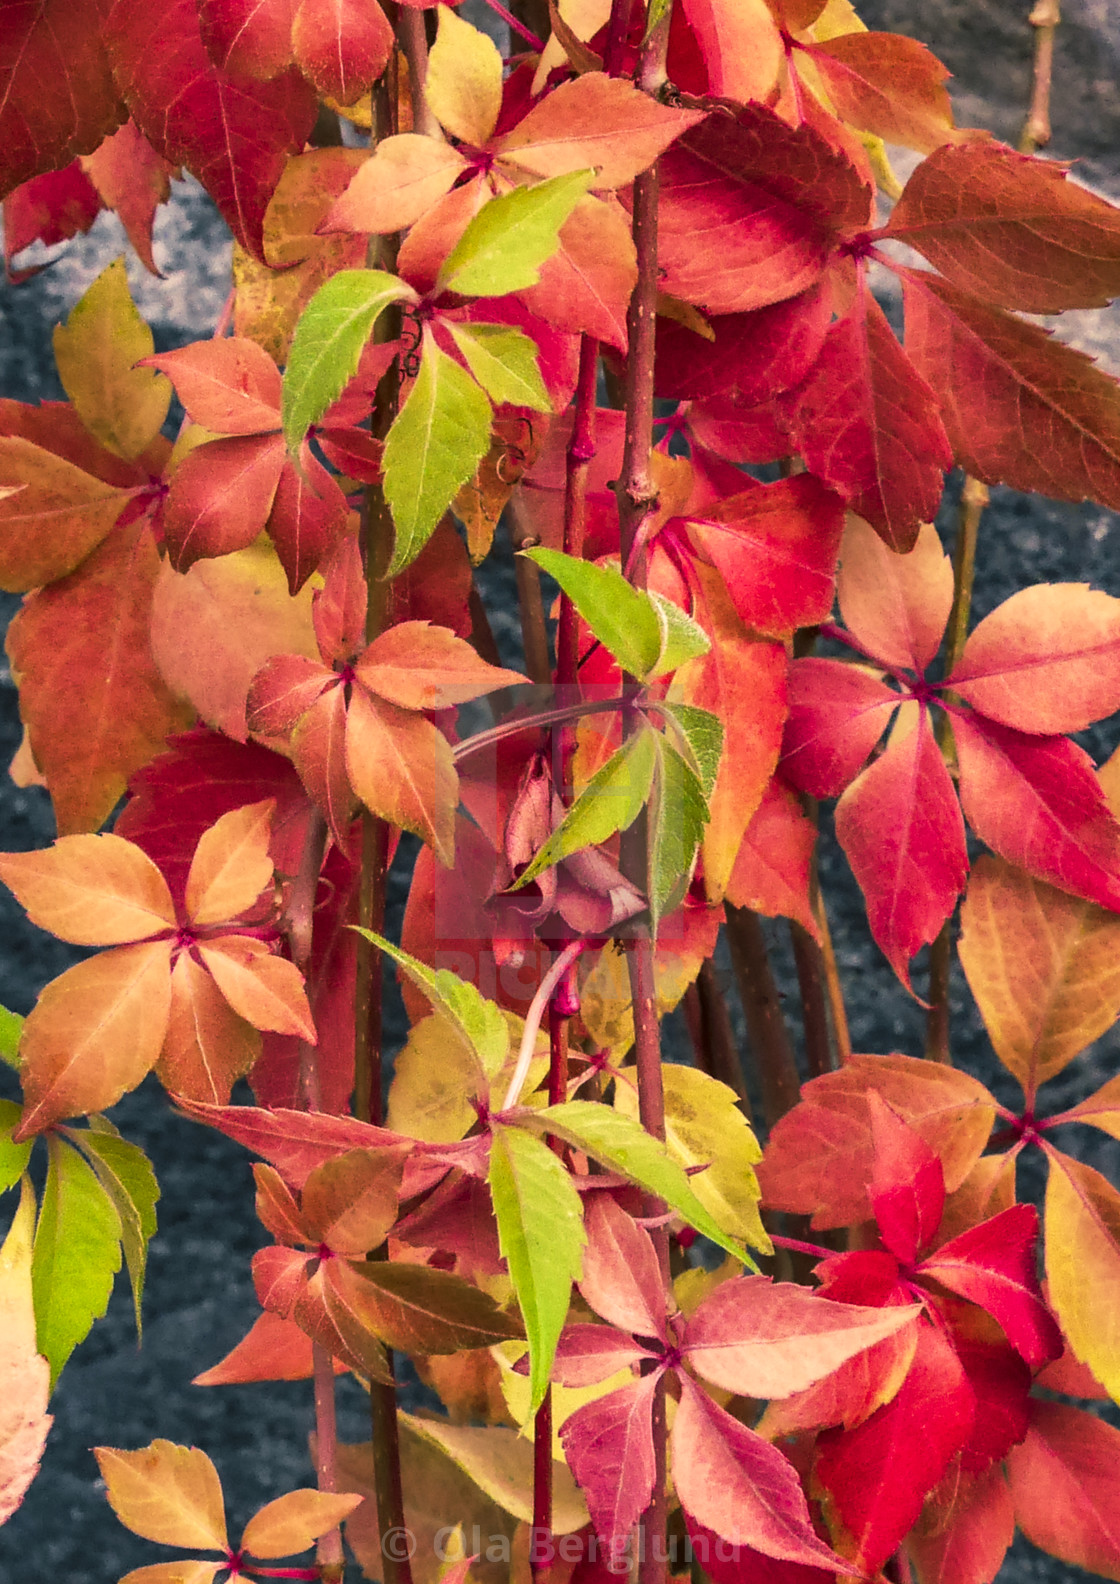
(606, 301)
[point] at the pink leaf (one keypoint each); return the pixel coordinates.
(837, 713)
(609, 1447)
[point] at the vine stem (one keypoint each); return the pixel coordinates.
(329, 1552)
(535, 1016)
(1036, 132)
(582, 448)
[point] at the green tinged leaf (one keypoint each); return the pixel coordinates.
(504, 362)
(11, 1027)
(681, 638)
(77, 1254)
(126, 1175)
(328, 341)
(623, 1145)
(13, 1157)
(438, 439)
(623, 619)
(611, 801)
(508, 240)
(678, 812)
(482, 1023)
(700, 734)
(540, 1233)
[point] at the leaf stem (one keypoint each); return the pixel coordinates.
(762, 1008)
(834, 989)
(481, 741)
(329, 1551)
(300, 932)
(535, 1016)
(516, 26)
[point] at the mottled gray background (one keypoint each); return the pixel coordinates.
(199, 1299)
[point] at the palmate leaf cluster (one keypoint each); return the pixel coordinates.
(259, 631)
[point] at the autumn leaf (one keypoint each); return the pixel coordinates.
(294, 1522)
(1061, 1481)
(167, 1493)
(24, 1374)
(1083, 1241)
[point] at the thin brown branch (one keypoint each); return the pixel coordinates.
(1036, 132)
(766, 1026)
(329, 1553)
(413, 40)
(530, 603)
(809, 961)
(834, 989)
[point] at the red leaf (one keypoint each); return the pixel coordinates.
(319, 752)
(994, 1265)
(868, 425)
(878, 1474)
(837, 713)
(233, 135)
(621, 1278)
(727, 1564)
(585, 286)
(753, 356)
(967, 1543)
(338, 609)
(272, 1349)
(58, 97)
(247, 38)
(896, 606)
(588, 1354)
(907, 1188)
(739, 45)
(1036, 802)
(1001, 1380)
(1011, 228)
(1001, 383)
(900, 825)
(342, 45)
(132, 179)
(1063, 1485)
(609, 1447)
(776, 549)
(774, 862)
(283, 690)
(308, 517)
(48, 209)
(731, 1481)
(229, 385)
(221, 496)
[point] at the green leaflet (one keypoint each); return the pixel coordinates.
(678, 812)
(126, 1175)
(333, 329)
(508, 240)
(611, 801)
(77, 1254)
(624, 620)
(700, 734)
(481, 1023)
(11, 1027)
(540, 1233)
(504, 362)
(624, 1146)
(681, 638)
(437, 441)
(13, 1157)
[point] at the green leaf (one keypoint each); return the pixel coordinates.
(437, 441)
(126, 1175)
(508, 240)
(624, 620)
(77, 1254)
(540, 1233)
(11, 1027)
(611, 801)
(681, 638)
(333, 329)
(13, 1157)
(678, 812)
(482, 1023)
(623, 1145)
(504, 362)
(700, 734)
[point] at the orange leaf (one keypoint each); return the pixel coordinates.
(585, 286)
(272, 1349)
(187, 1571)
(421, 667)
(221, 496)
(350, 1203)
(94, 1033)
(740, 45)
(405, 177)
(1100, 1110)
(267, 991)
(293, 1522)
(896, 606)
(319, 753)
(967, 1543)
(1083, 1263)
(228, 385)
(277, 1208)
(1063, 1485)
(773, 864)
(58, 514)
(92, 890)
(400, 766)
(889, 85)
(25, 1377)
(231, 865)
(167, 1493)
(1044, 967)
(851, 1394)
(207, 1046)
(95, 705)
(133, 179)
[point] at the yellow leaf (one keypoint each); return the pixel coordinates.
(464, 82)
(294, 1522)
(500, 1462)
(188, 1571)
(434, 1079)
(96, 349)
(167, 1493)
(1083, 1264)
(231, 864)
(605, 994)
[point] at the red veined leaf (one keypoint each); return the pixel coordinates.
(864, 1276)
(868, 425)
(1001, 1381)
(93, 890)
(1036, 802)
(585, 286)
(850, 1394)
(988, 1188)
(588, 1354)
(1001, 382)
(1062, 1482)
(888, 85)
(900, 825)
(338, 609)
(233, 134)
(907, 1188)
(319, 752)
(272, 1349)
(349, 1203)
(878, 1474)
(94, 1033)
(421, 667)
(231, 864)
(766, 1340)
(967, 1543)
(820, 1156)
(734, 1483)
(753, 357)
(54, 516)
(609, 1447)
(221, 496)
(267, 991)
(308, 517)
(621, 1279)
(896, 606)
(207, 1046)
(342, 45)
(837, 713)
(132, 179)
(293, 1285)
(1047, 660)
(400, 766)
(49, 209)
(727, 1564)
(229, 385)
(277, 1208)
(740, 46)
(283, 690)
(1011, 228)
(774, 862)
(248, 39)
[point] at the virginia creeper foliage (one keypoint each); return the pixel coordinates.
(612, 290)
